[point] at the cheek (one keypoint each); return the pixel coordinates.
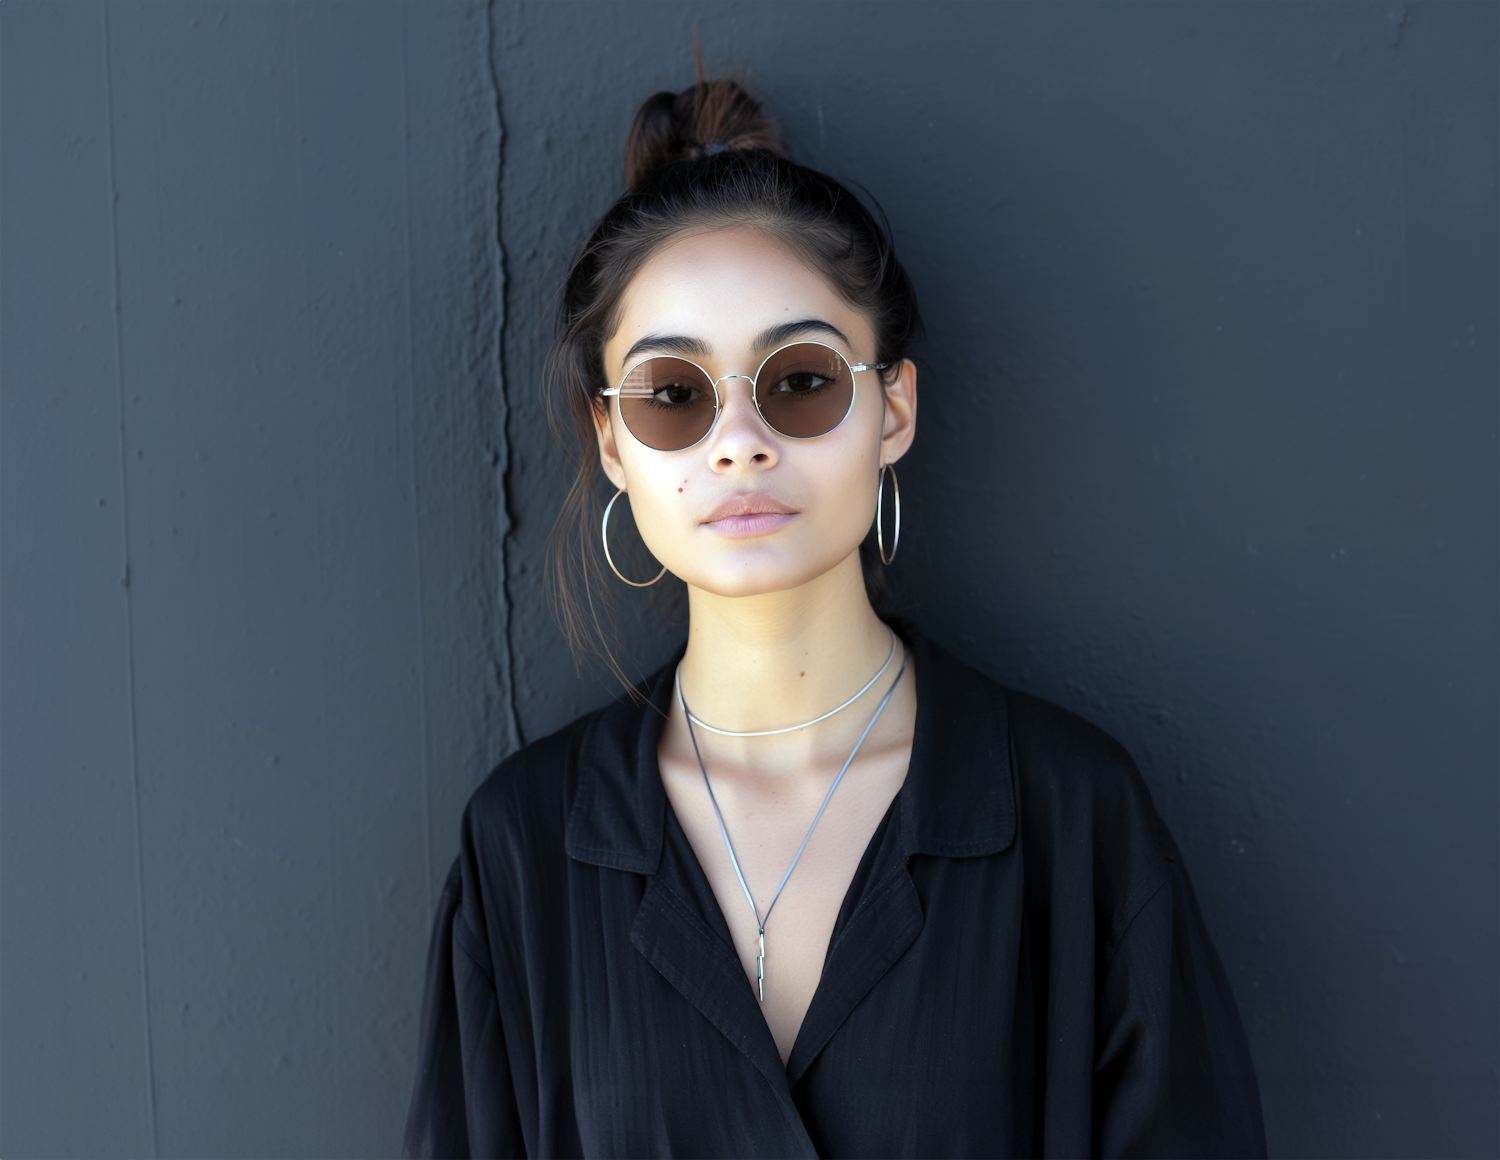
(659, 491)
(847, 478)
(848, 494)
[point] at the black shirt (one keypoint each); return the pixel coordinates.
(1019, 966)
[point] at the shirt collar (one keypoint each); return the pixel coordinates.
(958, 800)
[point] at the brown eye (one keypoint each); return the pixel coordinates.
(804, 390)
(675, 394)
(799, 383)
(668, 403)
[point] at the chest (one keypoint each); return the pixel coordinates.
(911, 1045)
(767, 824)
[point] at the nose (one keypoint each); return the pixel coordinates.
(741, 437)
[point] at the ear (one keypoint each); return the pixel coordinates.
(900, 426)
(609, 453)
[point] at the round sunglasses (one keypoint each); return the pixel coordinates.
(802, 390)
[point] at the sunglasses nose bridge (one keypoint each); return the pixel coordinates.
(723, 395)
(724, 403)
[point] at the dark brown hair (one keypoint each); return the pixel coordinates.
(704, 159)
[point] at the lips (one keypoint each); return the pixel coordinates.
(749, 515)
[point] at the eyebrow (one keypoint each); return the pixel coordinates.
(670, 343)
(771, 336)
(776, 335)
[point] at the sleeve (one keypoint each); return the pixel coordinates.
(463, 1103)
(1173, 1074)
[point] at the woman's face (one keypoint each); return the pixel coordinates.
(747, 511)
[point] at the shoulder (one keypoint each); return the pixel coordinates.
(511, 843)
(522, 805)
(1054, 751)
(1067, 761)
(1087, 822)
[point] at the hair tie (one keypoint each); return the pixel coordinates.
(714, 147)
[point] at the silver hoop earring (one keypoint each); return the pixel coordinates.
(880, 510)
(611, 559)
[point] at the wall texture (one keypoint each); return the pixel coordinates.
(253, 637)
(1207, 447)
(1208, 453)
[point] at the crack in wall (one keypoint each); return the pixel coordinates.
(501, 459)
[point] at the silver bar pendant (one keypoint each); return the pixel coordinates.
(760, 967)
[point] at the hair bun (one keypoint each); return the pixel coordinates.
(700, 121)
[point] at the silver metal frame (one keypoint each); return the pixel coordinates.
(854, 368)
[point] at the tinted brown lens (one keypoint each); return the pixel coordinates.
(667, 403)
(804, 390)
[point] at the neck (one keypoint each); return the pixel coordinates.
(782, 658)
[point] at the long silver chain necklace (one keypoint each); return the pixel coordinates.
(789, 728)
(760, 923)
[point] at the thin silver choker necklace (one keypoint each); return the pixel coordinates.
(789, 728)
(760, 923)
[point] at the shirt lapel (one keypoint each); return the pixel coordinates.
(957, 801)
(698, 960)
(619, 819)
(884, 924)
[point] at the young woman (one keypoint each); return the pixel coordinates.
(817, 888)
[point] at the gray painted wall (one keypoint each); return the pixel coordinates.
(253, 642)
(1208, 453)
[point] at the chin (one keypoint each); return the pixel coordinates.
(751, 582)
(756, 577)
